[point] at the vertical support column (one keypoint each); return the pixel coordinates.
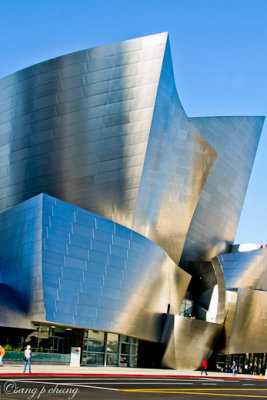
(119, 351)
(130, 352)
(105, 348)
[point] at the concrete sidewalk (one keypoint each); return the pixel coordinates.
(14, 369)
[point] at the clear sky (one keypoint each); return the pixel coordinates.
(219, 50)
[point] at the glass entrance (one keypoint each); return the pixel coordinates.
(111, 349)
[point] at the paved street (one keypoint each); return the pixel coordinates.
(117, 387)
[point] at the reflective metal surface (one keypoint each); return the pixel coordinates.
(76, 127)
(177, 164)
(246, 301)
(188, 342)
(216, 217)
(103, 129)
(21, 261)
(208, 288)
(246, 326)
(147, 188)
(83, 270)
(245, 269)
(12, 311)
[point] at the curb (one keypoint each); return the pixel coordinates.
(43, 374)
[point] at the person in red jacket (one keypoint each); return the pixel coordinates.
(204, 366)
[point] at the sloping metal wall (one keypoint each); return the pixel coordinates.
(216, 217)
(246, 301)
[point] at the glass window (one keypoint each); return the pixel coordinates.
(125, 339)
(124, 361)
(99, 346)
(102, 347)
(112, 359)
(125, 348)
(134, 350)
(95, 359)
(90, 345)
(59, 330)
(133, 362)
(112, 343)
(98, 335)
(94, 346)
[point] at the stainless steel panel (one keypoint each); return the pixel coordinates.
(12, 312)
(246, 281)
(104, 130)
(245, 326)
(65, 110)
(216, 217)
(145, 305)
(188, 342)
(67, 265)
(208, 289)
(245, 269)
(177, 164)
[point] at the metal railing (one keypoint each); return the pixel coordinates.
(37, 357)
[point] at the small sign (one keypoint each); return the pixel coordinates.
(75, 357)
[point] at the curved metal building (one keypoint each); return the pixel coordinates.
(113, 203)
(103, 129)
(246, 301)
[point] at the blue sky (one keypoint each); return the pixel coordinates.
(219, 50)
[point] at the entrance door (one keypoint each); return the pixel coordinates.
(60, 344)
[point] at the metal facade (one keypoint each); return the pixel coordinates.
(215, 220)
(246, 301)
(187, 341)
(142, 188)
(104, 129)
(72, 267)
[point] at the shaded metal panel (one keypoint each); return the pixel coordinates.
(245, 269)
(188, 342)
(69, 266)
(217, 214)
(177, 165)
(12, 311)
(98, 274)
(142, 315)
(21, 263)
(230, 306)
(246, 281)
(246, 328)
(208, 288)
(221, 291)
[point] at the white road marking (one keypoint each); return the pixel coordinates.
(214, 384)
(61, 384)
(85, 385)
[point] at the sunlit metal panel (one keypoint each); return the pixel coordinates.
(216, 217)
(103, 129)
(188, 342)
(245, 269)
(246, 327)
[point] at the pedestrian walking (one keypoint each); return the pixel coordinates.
(2, 353)
(234, 367)
(204, 366)
(27, 358)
